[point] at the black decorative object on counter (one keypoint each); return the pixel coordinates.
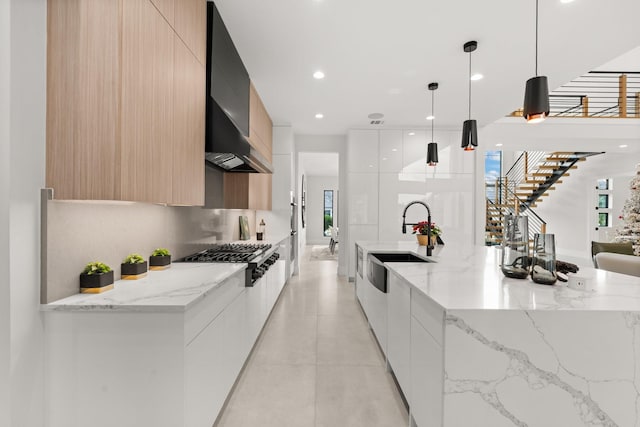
(515, 247)
(96, 277)
(160, 259)
(133, 267)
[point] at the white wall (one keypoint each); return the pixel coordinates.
(387, 169)
(5, 134)
(315, 207)
(328, 144)
(569, 210)
(26, 165)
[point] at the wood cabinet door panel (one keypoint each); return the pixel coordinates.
(191, 26)
(82, 98)
(147, 103)
(189, 121)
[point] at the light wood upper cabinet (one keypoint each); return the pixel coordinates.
(147, 103)
(260, 125)
(83, 90)
(247, 190)
(166, 8)
(125, 103)
(188, 131)
(191, 26)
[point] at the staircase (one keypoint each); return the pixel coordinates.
(531, 179)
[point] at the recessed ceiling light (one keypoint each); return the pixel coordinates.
(498, 145)
(566, 1)
(394, 149)
(477, 76)
(375, 116)
(384, 158)
(623, 146)
(319, 116)
(411, 133)
(431, 117)
(318, 75)
(370, 166)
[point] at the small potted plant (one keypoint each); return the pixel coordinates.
(133, 267)
(95, 278)
(421, 231)
(159, 259)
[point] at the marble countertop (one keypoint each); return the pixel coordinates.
(469, 278)
(174, 289)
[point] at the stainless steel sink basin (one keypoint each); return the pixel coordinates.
(376, 270)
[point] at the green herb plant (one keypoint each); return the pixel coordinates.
(161, 252)
(96, 268)
(133, 259)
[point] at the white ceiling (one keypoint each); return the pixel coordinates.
(319, 164)
(379, 55)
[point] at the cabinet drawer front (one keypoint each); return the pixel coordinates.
(429, 314)
(200, 315)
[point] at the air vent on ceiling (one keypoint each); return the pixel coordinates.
(376, 118)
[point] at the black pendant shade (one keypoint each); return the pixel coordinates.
(536, 94)
(432, 154)
(536, 99)
(469, 135)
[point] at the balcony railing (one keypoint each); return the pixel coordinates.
(609, 94)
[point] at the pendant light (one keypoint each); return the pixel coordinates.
(432, 148)
(536, 94)
(469, 127)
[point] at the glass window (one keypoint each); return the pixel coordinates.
(603, 184)
(603, 201)
(603, 219)
(328, 212)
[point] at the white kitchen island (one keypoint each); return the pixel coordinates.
(163, 351)
(470, 347)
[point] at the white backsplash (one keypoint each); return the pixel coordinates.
(80, 232)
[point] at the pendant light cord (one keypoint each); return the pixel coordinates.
(470, 84)
(433, 112)
(536, 38)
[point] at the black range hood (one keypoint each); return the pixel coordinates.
(227, 105)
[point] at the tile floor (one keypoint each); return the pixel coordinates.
(316, 363)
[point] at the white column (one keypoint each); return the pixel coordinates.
(28, 28)
(5, 57)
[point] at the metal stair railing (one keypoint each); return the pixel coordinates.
(613, 94)
(522, 166)
(511, 200)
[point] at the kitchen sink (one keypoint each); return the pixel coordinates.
(376, 270)
(398, 257)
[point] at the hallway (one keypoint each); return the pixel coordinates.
(316, 363)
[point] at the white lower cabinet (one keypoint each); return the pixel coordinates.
(161, 369)
(256, 307)
(399, 331)
(427, 367)
(427, 361)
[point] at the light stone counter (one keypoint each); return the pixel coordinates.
(174, 289)
(491, 351)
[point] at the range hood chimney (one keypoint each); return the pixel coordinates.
(227, 103)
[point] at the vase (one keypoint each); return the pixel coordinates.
(543, 265)
(515, 247)
(423, 239)
(434, 240)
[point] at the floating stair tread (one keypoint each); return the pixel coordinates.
(546, 174)
(556, 167)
